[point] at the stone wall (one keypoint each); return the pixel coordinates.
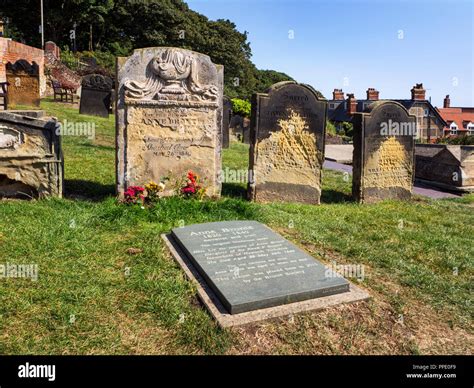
(11, 51)
(447, 166)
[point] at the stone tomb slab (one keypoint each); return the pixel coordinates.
(250, 267)
(224, 318)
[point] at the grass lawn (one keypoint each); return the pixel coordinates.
(107, 285)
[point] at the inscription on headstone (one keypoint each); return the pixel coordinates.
(96, 93)
(250, 267)
(168, 117)
(287, 144)
(23, 83)
(383, 158)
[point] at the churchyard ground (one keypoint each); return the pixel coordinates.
(107, 285)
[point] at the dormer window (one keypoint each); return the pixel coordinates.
(470, 128)
(453, 128)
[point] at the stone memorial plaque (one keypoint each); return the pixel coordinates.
(168, 118)
(287, 144)
(227, 113)
(250, 267)
(23, 83)
(96, 94)
(383, 156)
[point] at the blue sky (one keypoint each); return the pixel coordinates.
(353, 45)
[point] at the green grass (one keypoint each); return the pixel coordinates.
(95, 296)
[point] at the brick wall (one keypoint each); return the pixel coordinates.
(11, 51)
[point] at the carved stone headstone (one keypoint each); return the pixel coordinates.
(168, 117)
(227, 112)
(96, 95)
(287, 144)
(383, 158)
(24, 83)
(31, 161)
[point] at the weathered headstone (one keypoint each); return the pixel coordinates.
(287, 144)
(96, 95)
(383, 158)
(227, 112)
(168, 117)
(31, 161)
(250, 267)
(23, 83)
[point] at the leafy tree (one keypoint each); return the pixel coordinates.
(117, 27)
(241, 107)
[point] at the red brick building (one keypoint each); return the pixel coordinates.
(459, 120)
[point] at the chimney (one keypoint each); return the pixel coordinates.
(446, 102)
(417, 92)
(372, 94)
(337, 94)
(351, 104)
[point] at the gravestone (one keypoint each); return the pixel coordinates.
(23, 83)
(227, 113)
(287, 144)
(96, 94)
(168, 118)
(383, 157)
(250, 267)
(31, 160)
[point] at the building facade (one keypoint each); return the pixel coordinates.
(430, 124)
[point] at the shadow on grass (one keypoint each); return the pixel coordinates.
(333, 196)
(234, 190)
(93, 191)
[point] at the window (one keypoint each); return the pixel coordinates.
(453, 128)
(470, 128)
(332, 106)
(427, 112)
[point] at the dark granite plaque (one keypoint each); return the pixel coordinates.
(250, 267)
(383, 156)
(287, 144)
(96, 94)
(226, 113)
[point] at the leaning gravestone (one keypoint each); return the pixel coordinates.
(227, 112)
(250, 267)
(31, 161)
(96, 94)
(168, 117)
(287, 144)
(23, 83)
(383, 156)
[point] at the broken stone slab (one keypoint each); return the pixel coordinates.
(31, 159)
